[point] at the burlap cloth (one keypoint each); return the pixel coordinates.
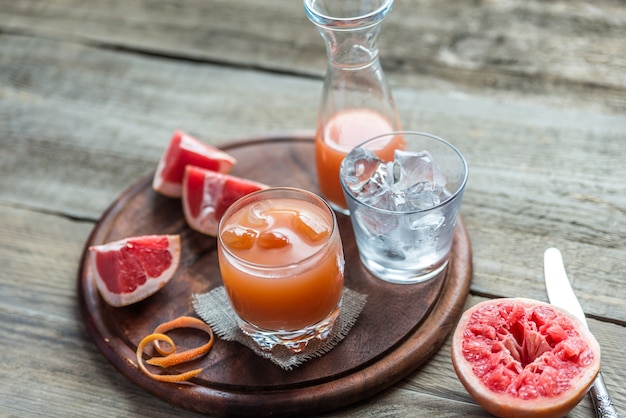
(214, 308)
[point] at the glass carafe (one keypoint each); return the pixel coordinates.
(356, 102)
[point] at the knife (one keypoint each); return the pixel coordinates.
(561, 294)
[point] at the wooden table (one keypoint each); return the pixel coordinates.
(533, 93)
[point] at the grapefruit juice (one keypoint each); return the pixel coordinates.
(345, 130)
(281, 262)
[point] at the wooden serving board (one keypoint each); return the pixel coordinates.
(400, 327)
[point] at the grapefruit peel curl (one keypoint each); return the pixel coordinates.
(171, 358)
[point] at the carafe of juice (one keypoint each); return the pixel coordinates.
(356, 102)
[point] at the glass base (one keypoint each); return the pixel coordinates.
(401, 276)
(296, 341)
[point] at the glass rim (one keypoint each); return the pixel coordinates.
(312, 196)
(350, 22)
(450, 198)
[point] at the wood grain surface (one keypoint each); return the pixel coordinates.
(532, 92)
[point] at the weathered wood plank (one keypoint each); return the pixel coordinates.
(104, 118)
(74, 140)
(62, 90)
(54, 338)
(532, 92)
(566, 52)
(53, 369)
(40, 257)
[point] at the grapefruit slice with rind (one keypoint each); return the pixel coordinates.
(131, 269)
(207, 194)
(184, 150)
(520, 357)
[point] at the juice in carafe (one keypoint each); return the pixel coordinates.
(345, 130)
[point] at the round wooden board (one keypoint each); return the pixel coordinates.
(400, 327)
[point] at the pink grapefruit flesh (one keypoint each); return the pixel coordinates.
(184, 150)
(520, 357)
(131, 269)
(207, 194)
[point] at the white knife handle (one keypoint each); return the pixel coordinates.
(601, 399)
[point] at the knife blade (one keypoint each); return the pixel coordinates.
(561, 294)
(559, 289)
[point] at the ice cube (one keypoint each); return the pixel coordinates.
(272, 240)
(257, 215)
(310, 226)
(418, 180)
(419, 167)
(429, 223)
(375, 224)
(366, 176)
(413, 181)
(238, 237)
(394, 253)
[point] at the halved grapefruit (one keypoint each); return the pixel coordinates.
(131, 269)
(520, 357)
(207, 194)
(184, 150)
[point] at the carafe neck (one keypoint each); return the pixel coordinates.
(350, 29)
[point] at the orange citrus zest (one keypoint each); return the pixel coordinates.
(171, 378)
(172, 358)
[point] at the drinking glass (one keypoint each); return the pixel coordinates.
(404, 207)
(281, 261)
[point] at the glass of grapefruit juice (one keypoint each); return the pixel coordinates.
(281, 261)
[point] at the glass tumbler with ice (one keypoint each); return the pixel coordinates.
(404, 210)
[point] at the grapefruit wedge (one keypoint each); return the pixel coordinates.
(131, 269)
(520, 357)
(207, 194)
(184, 150)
